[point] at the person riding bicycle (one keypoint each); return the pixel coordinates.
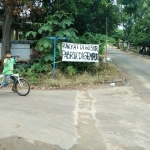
(8, 69)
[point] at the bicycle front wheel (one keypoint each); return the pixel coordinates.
(22, 87)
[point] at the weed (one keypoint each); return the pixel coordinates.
(70, 79)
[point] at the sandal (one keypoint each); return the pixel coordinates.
(13, 89)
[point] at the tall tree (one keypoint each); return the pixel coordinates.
(7, 23)
(89, 15)
(10, 8)
(140, 34)
(18, 11)
(128, 15)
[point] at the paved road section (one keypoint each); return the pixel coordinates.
(101, 118)
(136, 69)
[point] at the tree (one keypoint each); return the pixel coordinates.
(17, 13)
(6, 27)
(58, 25)
(118, 35)
(89, 15)
(129, 10)
(140, 34)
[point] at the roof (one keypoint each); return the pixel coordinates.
(20, 42)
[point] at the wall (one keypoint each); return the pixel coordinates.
(23, 49)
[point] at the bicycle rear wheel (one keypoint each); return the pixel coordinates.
(22, 87)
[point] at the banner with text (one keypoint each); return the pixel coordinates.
(80, 52)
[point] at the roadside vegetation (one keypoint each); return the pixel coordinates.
(99, 73)
(84, 22)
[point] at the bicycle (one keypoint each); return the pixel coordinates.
(22, 86)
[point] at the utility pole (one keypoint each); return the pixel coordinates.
(106, 45)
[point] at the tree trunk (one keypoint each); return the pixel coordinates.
(6, 33)
(128, 47)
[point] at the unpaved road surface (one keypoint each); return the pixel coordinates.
(96, 118)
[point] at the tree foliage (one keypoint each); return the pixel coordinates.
(78, 20)
(130, 6)
(140, 34)
(57, 25)
(19, 14)
(129, 14)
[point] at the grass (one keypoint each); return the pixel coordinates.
(102, 74)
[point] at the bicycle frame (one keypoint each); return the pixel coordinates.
(2, 77)
(17, 78)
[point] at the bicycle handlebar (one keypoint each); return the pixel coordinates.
(15, 56)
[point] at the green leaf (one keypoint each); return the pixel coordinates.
(46, 44)
(41, 48)
(45, 28)
(48, 57)
(66, 22)
(31, 33)
(46, 67)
